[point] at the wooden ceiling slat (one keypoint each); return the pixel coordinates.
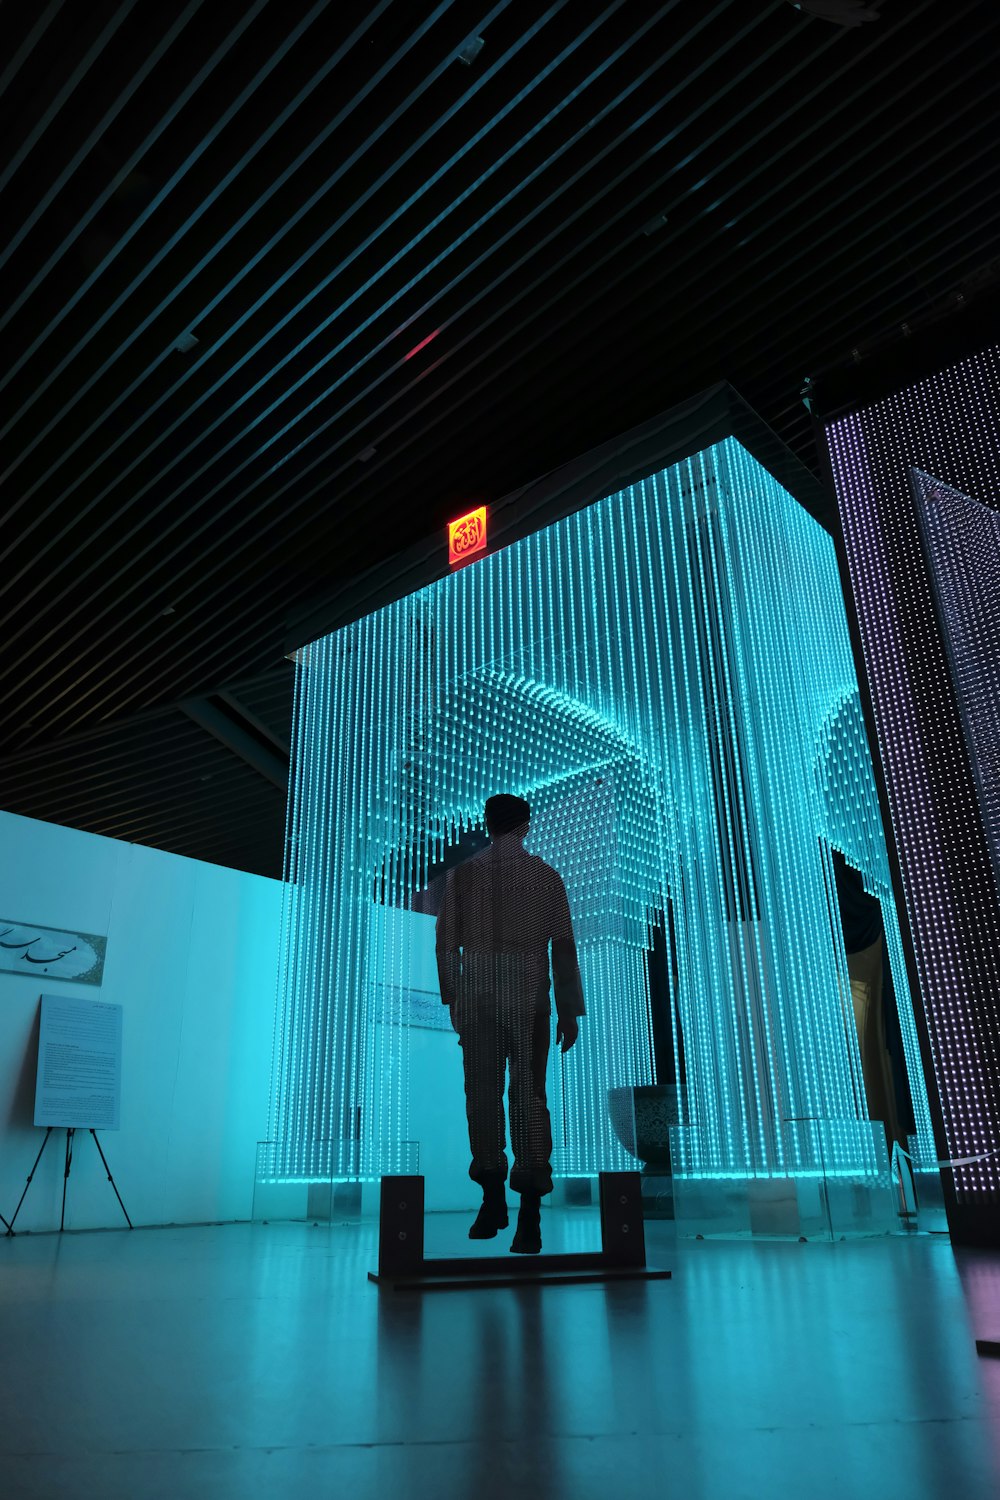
(203, 434)
(819, 185)
(131, 162)
(20, 54)
(178, 283)
(69, 663)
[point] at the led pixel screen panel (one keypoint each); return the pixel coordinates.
(917, 478)
(666, 677)
(961, 538)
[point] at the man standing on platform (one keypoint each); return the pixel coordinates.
(501, 911)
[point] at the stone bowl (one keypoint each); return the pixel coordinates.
(641, 1117)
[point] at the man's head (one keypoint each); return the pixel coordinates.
(506, 814)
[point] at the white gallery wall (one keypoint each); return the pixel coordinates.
(192, 958)
(435, 1082)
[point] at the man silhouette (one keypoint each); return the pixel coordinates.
(500, 912)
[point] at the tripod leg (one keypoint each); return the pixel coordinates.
(70, 1133)
(111, 1179)
(10, 1226)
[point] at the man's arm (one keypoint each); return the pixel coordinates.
(448, 941)
(566, 981)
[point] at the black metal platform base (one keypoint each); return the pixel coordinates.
(458, 1274)
(403, 1267)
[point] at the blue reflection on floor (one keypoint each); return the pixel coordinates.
(249, 1361)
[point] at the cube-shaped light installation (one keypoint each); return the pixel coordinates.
(666, 676)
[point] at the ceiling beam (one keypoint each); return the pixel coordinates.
(241, 735)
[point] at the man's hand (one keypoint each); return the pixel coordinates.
(567, 1031)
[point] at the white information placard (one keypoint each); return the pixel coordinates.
(79, 1078)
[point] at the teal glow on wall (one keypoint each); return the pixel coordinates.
(666, 676)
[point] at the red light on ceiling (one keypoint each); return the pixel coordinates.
(467, 536)
(422, 345)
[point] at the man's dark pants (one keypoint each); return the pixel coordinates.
(496, 1030)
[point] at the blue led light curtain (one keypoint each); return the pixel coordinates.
(666, 677)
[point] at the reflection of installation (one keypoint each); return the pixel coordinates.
(78, 1080)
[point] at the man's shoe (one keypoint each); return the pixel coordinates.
(493, 1214)
(528, 1235)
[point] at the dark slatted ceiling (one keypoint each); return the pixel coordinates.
(226, 226)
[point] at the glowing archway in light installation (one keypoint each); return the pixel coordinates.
(658, 673)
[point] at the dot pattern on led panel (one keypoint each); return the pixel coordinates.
(961, 541)
(666, 677)
(927, 460)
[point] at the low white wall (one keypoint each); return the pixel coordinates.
(192, 958)
(401, 945)
(437, 1120)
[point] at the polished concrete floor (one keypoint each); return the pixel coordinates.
(249, 1361)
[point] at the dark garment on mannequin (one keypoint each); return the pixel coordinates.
(860, 913)
(865, 970)
(864, 942)
(500, 913)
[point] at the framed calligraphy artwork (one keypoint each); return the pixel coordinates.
(51, 952)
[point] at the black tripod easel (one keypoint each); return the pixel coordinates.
(70, 1133)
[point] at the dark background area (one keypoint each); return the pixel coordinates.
(610, 208)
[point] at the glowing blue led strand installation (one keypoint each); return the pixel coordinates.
(293, 1120)
(656, 674)
(716, 890)
(748, 648)
(664, 835)
(727, 895)
(752, 964)
(290, 891)
(374, 1098)
(712, 1088)
(767, 659)
(765, 647)
(786, 527)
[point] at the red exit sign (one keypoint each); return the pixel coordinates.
(467, 536)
